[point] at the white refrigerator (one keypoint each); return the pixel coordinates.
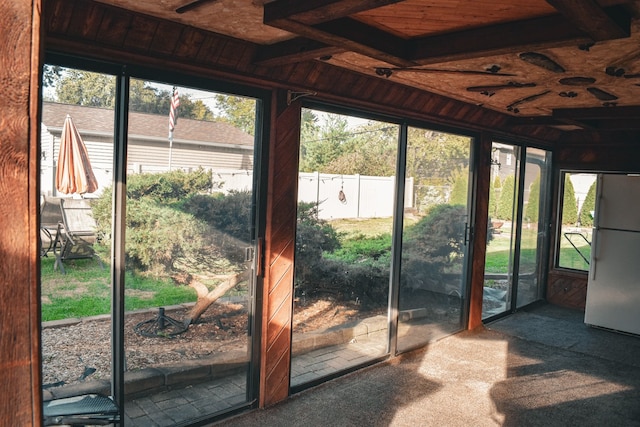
(613, 290)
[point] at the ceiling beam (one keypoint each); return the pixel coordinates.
(499, 39)
(291, 51)
(351, 35)
(312, 12)
(598, 23)
(347, 34)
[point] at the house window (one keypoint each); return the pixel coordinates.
(578, 199)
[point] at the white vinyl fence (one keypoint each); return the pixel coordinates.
(351, 196)
(338, 196)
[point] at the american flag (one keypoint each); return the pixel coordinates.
(175, 103)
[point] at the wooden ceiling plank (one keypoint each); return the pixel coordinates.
(312, 12)
(86, 20)
(166, 37)
(589, 17)
(344, 39)
(140, 34)
(295, 50)
(60, 15)
(114, 28)
(512, 37)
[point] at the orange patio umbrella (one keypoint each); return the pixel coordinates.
(74, 173)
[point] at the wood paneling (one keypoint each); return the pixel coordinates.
(20, 399)
(567, 289)
(280, 251)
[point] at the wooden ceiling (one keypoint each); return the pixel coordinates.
(566, 64)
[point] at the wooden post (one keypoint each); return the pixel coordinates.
(483, 182)
(20, 56)
(280, 243)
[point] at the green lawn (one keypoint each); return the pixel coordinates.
(85, 291)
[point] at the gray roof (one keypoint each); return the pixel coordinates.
(100, 120)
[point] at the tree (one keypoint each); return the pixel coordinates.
(569, 205)
(331, 144)
(98, 90)
(588, 206)
(460, 187)
(370, 150)
(531, 211)
(431, 156)
(86, 88)
(238, 111)
(505, 203)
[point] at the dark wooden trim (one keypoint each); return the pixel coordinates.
(590, 18)
(21, 399)
(598, 113)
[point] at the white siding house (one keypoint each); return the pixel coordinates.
(213, 145)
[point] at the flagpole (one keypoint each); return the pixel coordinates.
(170, 147)
(173, 119)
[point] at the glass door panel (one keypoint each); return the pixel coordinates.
(76, 291)
(501, 240)
(189, 246)
(435, 237)
(343, 244)
(533, 232)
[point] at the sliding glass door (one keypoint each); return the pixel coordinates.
(435, 238)
(148, 249)
(343, 244)
(76, 291)
(517, 243)
(382, 241)
(189, 251)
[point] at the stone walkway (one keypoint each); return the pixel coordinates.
(202, 400)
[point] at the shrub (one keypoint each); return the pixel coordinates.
(569, 206)
(161, 232)
(168, 187)
(588, 206)
(505, 202)
(158, 236)
(460, 190)
(229, 217)
(532, 208)
(437, 238)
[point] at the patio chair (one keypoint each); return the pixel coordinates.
(84, 410)
(76, 234)
(50, 217)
